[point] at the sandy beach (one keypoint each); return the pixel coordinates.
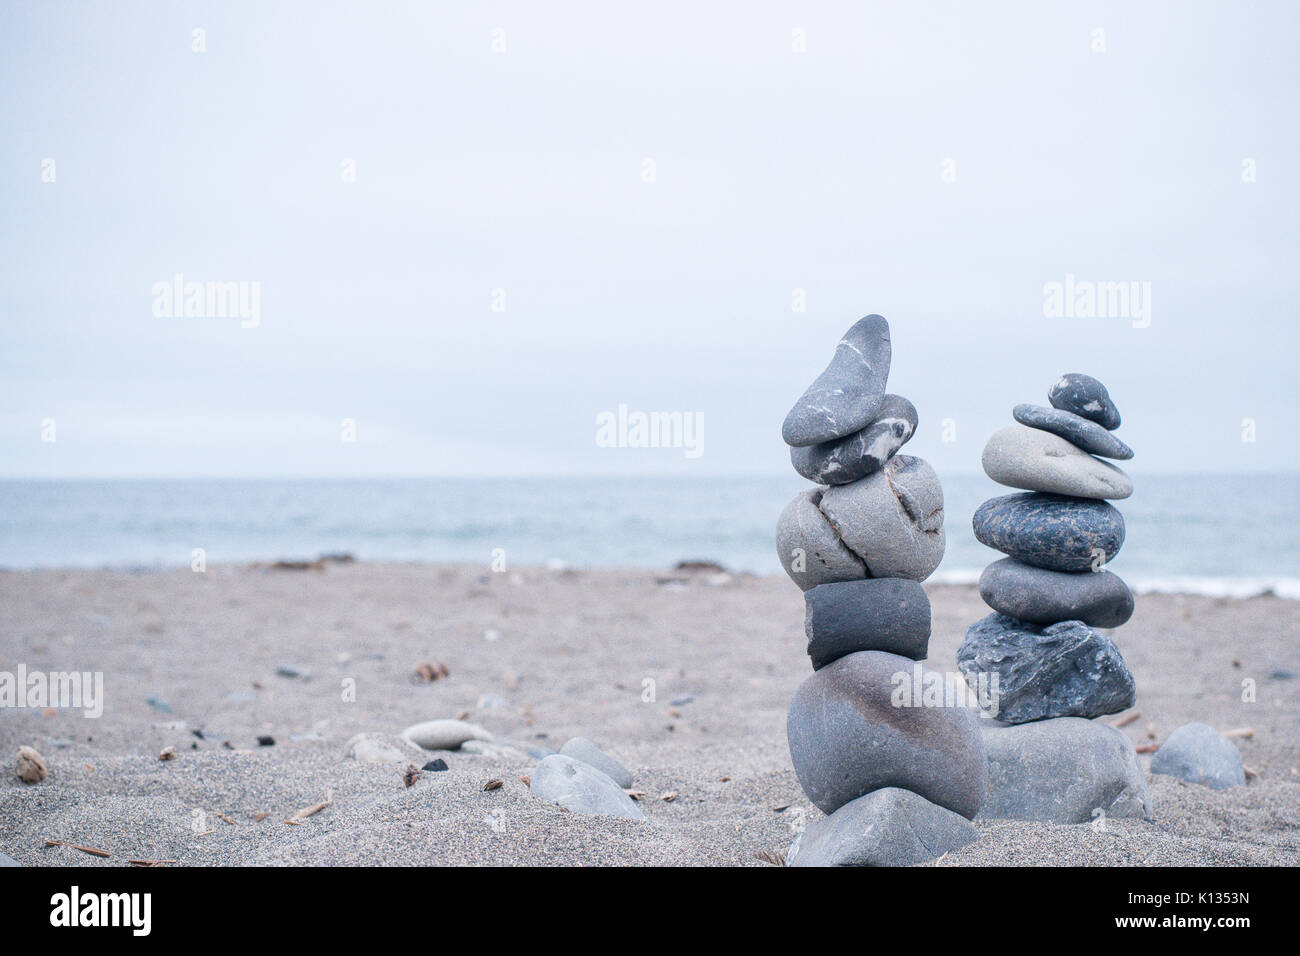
(685, 678)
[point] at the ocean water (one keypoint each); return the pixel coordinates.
(1214, 534)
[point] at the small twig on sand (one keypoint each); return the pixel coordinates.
(1147, 748)
(311, 811)
(767, 856)
(84, 849)
(150, 862)
(1125, 721)
(1244, 732)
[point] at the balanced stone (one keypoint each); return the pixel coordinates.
(1086, 397)
(808, 547)
(847, 396)
(1075, 429)
(858, 455)
(889, 827)
(892, 520)
(878, 614)
(1099, 599)
(581, 788)
(1051, 531)
(1064, 770)
(847, 737)
(1064, 670)
(1037, 460)
(1200, 754)
(580, 748)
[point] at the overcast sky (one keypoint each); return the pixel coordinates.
(642, 188)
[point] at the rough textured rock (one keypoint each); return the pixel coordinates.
(1026, 593)
(1062, 771)
(858, 455)
(444, 734)
(878, 614)
(892, 520)
(847, 738)
(1051, 531)
(581, 788)
(1037, 460)
(580, 748)
(1200, 754)
(1075, 429)
(1086, 397)
(889, 827)
(1064, 670)
(808, 547)
(845, 397)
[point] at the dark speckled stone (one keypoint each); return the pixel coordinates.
(1064, 670)
(1085, 396)
(1075, 429)
(848, 394)
(878, 614)
(847, 738)
(863, 452)
(1055, 532)
(1098, 599)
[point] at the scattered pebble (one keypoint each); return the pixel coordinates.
(444, 734)
(580, 788)
(293, 672)
(265, 741)
(157, 703)
(31, 766)
(580, 748)
(436, 765)
(410, 776)
(8, 861)
(168, 753)
(429, 672)
(1199, 754)
(380, 748)
(681, 701)
(492, 785)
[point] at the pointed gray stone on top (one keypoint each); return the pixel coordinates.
(847, 395)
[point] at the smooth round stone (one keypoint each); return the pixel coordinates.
(878, 614)
(889, 827)
(1064, 670)
(1051, 531)
(444, 734)
(1086, 397)
(580, 748)
(808, 547)
(1200, 754)
(892, 520)
(847, 396)
(581, 788)
(1037, 460)
(1075, 429)
(858, 455)
(847, 738)
(1098, 599)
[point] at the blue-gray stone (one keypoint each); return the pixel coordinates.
(1063, 670)
(849, 393)
(1075, 429)
(1098, 599)
(878, 614)
(847, 737)
(1085, 396)
(580, 748)
(858, 455)
(1200, 754)
(1055, 532)
(1064, 770)
(581, 788)
(889, 827)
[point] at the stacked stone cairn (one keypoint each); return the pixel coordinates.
(1038, 658)
(898, 782)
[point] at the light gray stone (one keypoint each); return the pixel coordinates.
(892, 520)
(847, 737)
(858, 455)
(8, 861)
(1200, 754)
(381, 748)
(444, 734)
(808, 547)
(845, 397)
(1037, 460)
(888, 827)
(581, 788)
(580, 748)
(1064, 770)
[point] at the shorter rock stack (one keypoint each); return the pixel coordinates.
(899, 782)
(1038, 653)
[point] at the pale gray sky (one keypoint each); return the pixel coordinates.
(523, 170)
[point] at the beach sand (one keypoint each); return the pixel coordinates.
(537, 656)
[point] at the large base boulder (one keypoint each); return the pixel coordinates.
(889, 827)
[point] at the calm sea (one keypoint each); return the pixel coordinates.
(1215, 534)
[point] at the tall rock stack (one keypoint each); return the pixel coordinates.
(898, 777)
(1049, 671)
